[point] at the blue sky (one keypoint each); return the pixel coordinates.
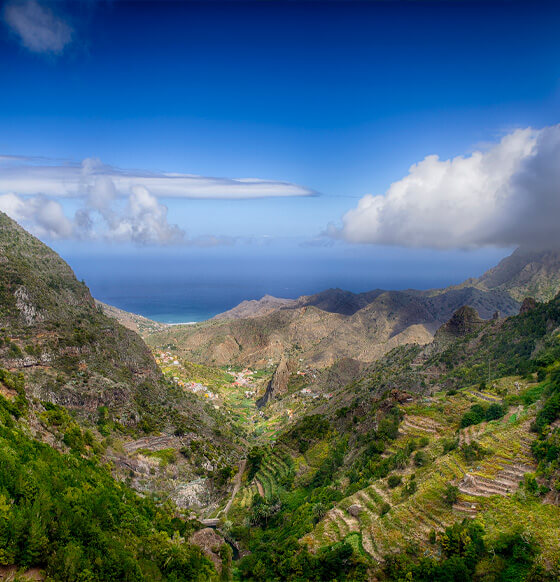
(323, 102)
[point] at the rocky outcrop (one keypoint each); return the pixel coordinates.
(463, 322)
(192, 495)
(278, 383)
(528, 305)
(355, 510)
(210, 542)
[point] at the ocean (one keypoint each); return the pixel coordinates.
(193, 285)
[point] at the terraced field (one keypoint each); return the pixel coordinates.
(482, 485)
(501, 472)
(275, 467)
(419, 425)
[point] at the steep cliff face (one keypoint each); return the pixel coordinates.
(278, 383)
(70, 352)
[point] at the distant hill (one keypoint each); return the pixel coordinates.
(256, 307)
(322, 328)
(525, 273)
(138, 323)
(331, 300)
(320, 337)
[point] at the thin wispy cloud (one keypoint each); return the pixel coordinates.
(25, 176)
(116, 204)
(37, 27)
(507, 195)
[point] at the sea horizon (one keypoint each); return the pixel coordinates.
(195, 286)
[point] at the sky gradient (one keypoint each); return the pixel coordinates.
(322, 103)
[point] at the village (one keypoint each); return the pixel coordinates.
(175, 370)
(236, 390)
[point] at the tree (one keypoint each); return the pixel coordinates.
(450, 494)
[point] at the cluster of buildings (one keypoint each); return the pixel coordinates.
(196, 388)
(308, 373)
(167, 358)
(244, 378)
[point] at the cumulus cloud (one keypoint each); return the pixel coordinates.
(115, 204)
(142, 219)
(506, 195)
(46, 215)
(37, 27)
(145, 221)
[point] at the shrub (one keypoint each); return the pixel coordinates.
(423, 442)
(394, 481)
(495, 411)
(450, 494)
(385, 508)
(307, 431)
(449, 445)
(475, 415)
(421, 459)
(474, 452)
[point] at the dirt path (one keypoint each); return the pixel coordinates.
(236, 485)
(260, 488)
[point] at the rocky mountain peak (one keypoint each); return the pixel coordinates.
(463, 322)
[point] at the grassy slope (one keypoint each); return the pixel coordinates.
(395, 519)
(410, 519)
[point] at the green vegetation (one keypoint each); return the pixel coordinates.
(306, 431)
(65, 513)
(465, 556)
(165, 456)
(479, 413)
(374, 481)
(546, 447)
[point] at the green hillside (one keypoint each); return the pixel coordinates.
(382, 479)
(434, 462)
(64, 514)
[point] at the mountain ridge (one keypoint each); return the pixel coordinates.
(361, 326)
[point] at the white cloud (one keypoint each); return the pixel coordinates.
(46, 215)
(142, 220)
(115, 204)
(506, 195)
(146, 221)
(27, 176)
(38, 28)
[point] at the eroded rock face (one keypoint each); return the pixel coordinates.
(210, 542)
(355, 510)
(278, 384)
(28, 310)
(194, 494)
